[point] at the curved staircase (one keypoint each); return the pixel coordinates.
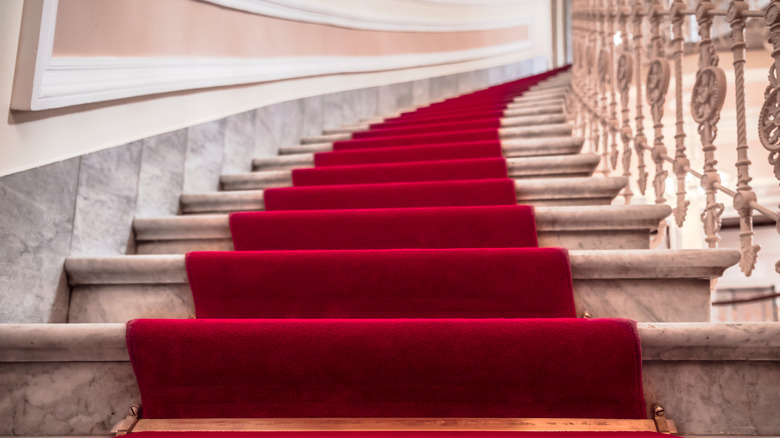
(414, 216)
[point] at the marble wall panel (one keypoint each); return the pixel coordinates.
(386, 101)
(36, 222)
(278, 125)
(203, 163)
(106, 201)
(495, 75)
(239, 143)
(370, 103)
(420, 92)
(312, 120)
(481, 79)
(443, 87)
(404, 95)
(65, 398)
(162, 174)
(467, 82)
(334, 110)
(738, 398)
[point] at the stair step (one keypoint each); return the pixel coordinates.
(516, 109)
(608, 283)
(512, 147)
(532, 167)
(544, 192)
(685, 366)
(330, 135)
(602, 227)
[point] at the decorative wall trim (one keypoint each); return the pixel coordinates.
(337, 15)
(74, 81)
(45, 82)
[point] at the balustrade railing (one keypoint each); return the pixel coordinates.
(612, 66)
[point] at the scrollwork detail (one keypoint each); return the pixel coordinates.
(657, 82)
(709, 93)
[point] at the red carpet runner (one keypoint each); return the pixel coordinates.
(349, 282)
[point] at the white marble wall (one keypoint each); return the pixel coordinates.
(36, 224)
(85, 205)
(162, 174)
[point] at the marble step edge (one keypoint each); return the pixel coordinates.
(512, 147)
(105, 342)
(581, 189)
(557, 165)
(585, 264)
(617, 217)
(345, 133)
(541, 130)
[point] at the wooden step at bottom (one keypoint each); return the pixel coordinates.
(604, 227)
(699, 372)
(541, 192)
(512, 147)
(660, 286)
(530, 167)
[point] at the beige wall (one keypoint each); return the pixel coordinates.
(129, 28)
(31, 139)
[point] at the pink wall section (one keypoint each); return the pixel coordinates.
(131, 28)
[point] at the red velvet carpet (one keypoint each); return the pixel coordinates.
(397, 278)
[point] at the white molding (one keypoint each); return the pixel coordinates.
(75, 81)
(337, 16)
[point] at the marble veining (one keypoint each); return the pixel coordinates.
(278, 125)
(106, 201)
(65, 398)
(203, 163)
(162, 174)
(36, 222)
(716, 397)
(239, 142)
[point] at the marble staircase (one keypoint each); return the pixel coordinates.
(713, 379)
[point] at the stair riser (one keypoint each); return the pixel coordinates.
(687, 389)
(546, 144)
(685, 300)
(572, 166)
(608, 227)
(606, 284)
(547, 192)
(507, 122)
(574, 239)
(692, 369)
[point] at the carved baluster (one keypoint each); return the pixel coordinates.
(640, 141)
(709, 92)
(677, 14)
(737, 16)
(657, 84)
(604, 85)
(769, 119)
(624, 75)
(610, 15)
(594, 127)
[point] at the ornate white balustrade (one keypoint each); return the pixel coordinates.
(614, 63)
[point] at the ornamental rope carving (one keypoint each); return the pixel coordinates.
(745, 194)
(640, 141)
(657, 84)
(681, 163)
(709, 93)
(624, 76)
